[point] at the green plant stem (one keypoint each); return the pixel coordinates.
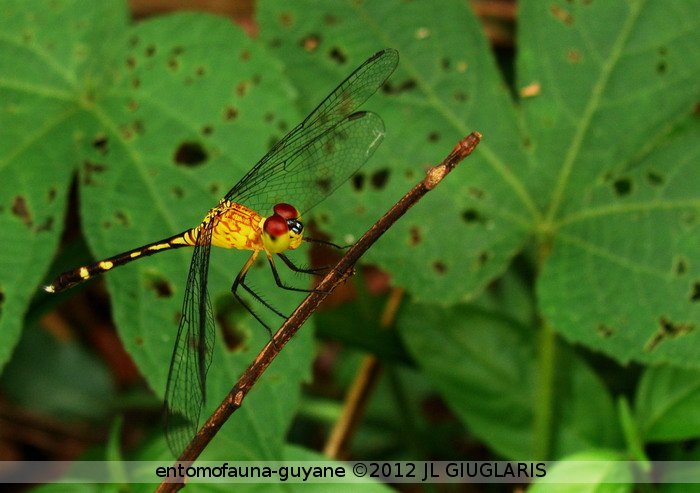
(544, 405)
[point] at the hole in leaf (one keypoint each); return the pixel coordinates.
(100, 143)
(190, 154)
(150, 50)
(472, 215)
(433, 137)
(160, 286)
(439, 267)
(622, 186)
(358, 181)
(668, 329)
(661, 67)
(394, 88)
(416, 236)
(380, 178)
(338, 56)
(310, 42)
(695, 292)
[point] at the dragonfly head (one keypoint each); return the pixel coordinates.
(283, 230)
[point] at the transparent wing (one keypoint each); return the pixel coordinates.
(185, 392)
(318, 168)
(254, 189)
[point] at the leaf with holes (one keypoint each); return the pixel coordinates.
(159, 119)
(594, 176)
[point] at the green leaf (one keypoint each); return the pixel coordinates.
(613, 125)
(484, 367)
(615, 477)
(58, 378)
(123, 111)
(45, 50)
(667, 404)
(446, 85)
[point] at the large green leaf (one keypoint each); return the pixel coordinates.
(82, 89)
(485, 367)
(613, 127)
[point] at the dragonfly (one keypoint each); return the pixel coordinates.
(304, 167)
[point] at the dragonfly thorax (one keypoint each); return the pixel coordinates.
(283, 230)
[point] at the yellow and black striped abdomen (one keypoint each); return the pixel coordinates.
(72, 277)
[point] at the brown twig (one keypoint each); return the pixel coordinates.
(336, 276)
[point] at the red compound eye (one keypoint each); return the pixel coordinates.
(276, 226)
(286, 211)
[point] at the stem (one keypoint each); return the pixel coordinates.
(544, 405)
(335, 276)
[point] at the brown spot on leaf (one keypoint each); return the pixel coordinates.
(310, 42)
(439, 267)
(416, 236)
(230, 113)
(605, 331)
(561, 14)
(574, 56)
(21, 210)
(90, 169)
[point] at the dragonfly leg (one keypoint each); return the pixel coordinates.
(240, 281)
(319, 271)
(294, 268)
(327, 243)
